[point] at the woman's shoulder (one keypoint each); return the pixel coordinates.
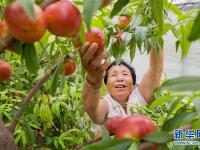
(137, 96)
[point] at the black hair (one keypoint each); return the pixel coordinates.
(132, 70)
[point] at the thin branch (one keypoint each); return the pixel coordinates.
(28, 97)
(8, 39)
(146, 145)
(89, 142)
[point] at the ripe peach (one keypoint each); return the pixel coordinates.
(5, 70)
(69, 68)
(64, 18)
(3, 29)
(113, 124)
(95, 35)
(21, 26)
(123, 22)
(135, 126)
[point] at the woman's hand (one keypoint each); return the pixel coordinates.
(93, 63)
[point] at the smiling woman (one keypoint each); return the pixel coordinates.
(120, 81)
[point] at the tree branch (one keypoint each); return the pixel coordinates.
(5, 41)
(89, 142)
(8, 39)
(28, 97)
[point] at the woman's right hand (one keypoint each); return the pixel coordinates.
(93, 63)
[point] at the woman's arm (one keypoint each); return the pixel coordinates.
(151, 79)
(93, 105)
(91, 94)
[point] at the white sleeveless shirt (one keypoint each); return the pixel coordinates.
(115, 109)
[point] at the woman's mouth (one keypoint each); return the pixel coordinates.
(120, 86)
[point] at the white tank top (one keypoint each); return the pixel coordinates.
(115, 109)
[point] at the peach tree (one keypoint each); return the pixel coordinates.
(41, 101)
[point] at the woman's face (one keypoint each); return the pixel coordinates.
(120, 83)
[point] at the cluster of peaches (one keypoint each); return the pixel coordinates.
(61, 18)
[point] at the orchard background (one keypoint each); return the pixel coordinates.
(51, 114)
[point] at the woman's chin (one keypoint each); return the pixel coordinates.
(121, 96)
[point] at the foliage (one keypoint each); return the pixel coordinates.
(55, 117)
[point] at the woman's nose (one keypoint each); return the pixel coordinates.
(120, 78)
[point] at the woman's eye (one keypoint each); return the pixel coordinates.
(112, 75)
(125, 74)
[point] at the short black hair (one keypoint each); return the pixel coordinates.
(132, 70)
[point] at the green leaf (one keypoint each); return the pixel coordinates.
(184, 43)
(189, 118)
(30, 55)
(177, 45)
(62, 84)
(196, 102)
(187, 83)
(89, 9)
(161, 43)
(18, 137)
(136, 21)
(61, 143)
(175, 122)
(195, 31)
(157, 8)
(28, 7)
(188, 15)
(158, 137)
(55, 77)
(166, 28)
(160, 101)
(118, 7)
(140, 35)
(133, 146)
(196, 124)
(175, 105)
(178, 147)
(175, 9)
(126, 37)
(55, 143)
(83, 72)
(82, 34)
(132, 48)
(147, 45)
(105, 136)
(114, 144)
(56, 109)
(29, 132)
(24, 140)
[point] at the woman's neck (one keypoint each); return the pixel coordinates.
(123, 103)
(124, 106)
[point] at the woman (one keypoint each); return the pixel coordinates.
(120, 82)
